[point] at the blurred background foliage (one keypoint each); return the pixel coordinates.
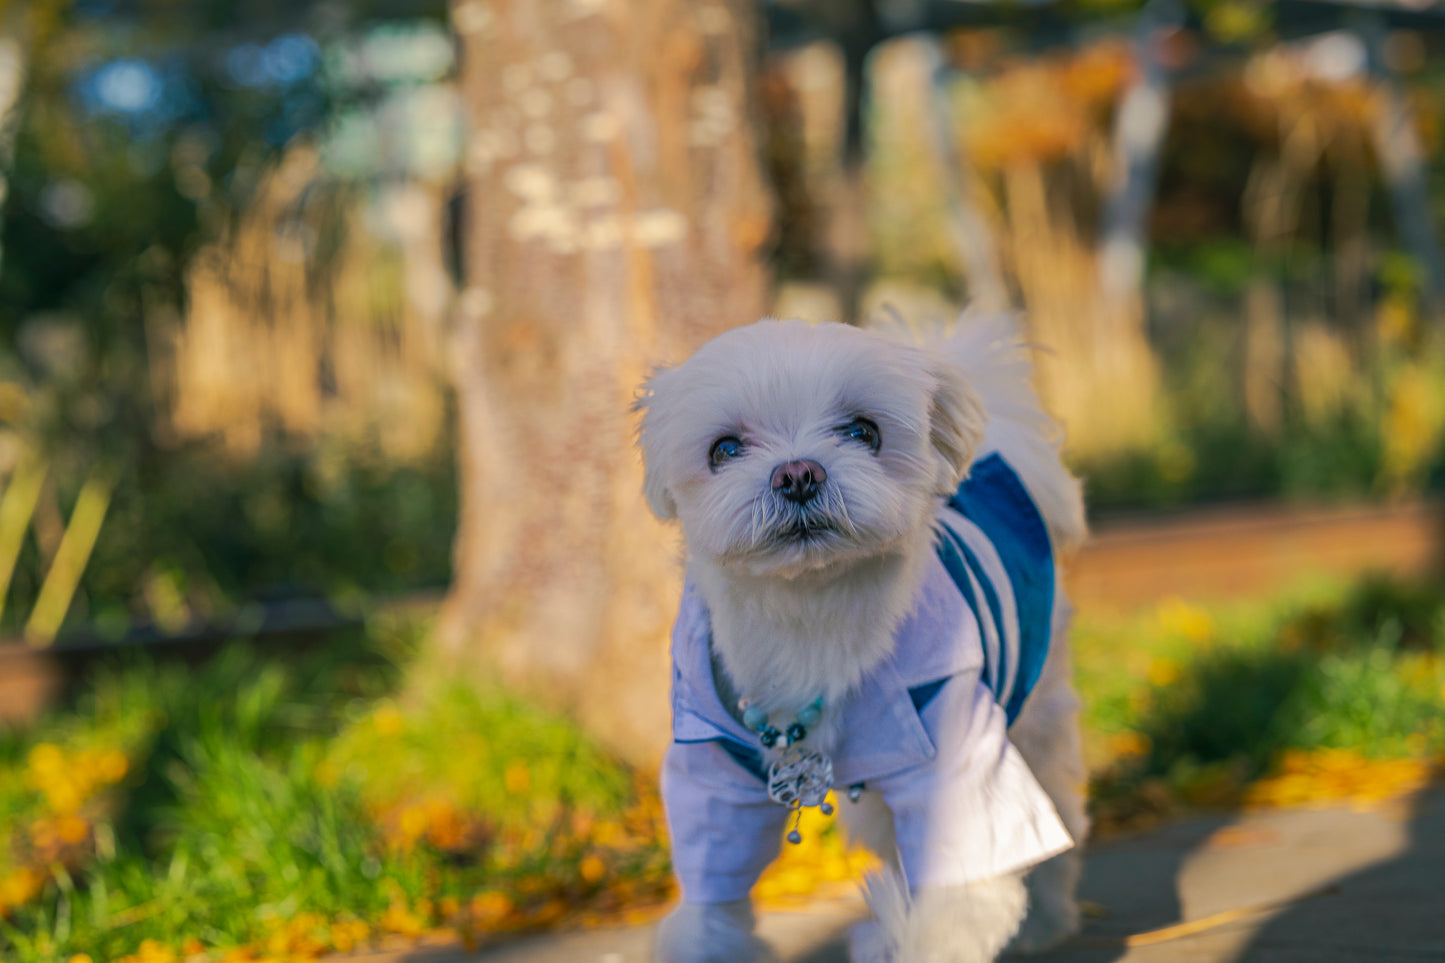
(228, 250)
(192, 308)
(1289, 347)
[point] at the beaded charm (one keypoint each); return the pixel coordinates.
(798, 777)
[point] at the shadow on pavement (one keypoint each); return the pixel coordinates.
(1131, 884)
(1286, 886)
(1391, 911)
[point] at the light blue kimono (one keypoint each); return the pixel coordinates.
(927, 729)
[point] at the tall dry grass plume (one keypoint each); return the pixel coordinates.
(321, 313)
(1036, 138)
(1039, 134)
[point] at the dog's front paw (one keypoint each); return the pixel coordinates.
(711, 933)
(1040, 933)
(968, 923)
(1045, 928)
(1053, 914)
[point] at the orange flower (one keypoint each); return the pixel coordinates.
(592, 869)
(490, 908)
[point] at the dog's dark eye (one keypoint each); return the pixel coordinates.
(863, 431)
(724, 449)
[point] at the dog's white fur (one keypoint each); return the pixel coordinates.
(828, 605)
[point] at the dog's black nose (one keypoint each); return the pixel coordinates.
(798, 481)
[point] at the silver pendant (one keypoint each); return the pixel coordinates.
(800, 778)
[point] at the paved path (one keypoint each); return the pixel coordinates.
(1287, 886)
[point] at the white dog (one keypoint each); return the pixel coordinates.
(854, 617)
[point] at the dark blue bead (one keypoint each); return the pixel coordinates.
(768, 737)
(796, 732)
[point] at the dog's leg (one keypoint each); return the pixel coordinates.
(711, 933)
(946, 924)
(1053, 908)
(869, 822)
(1047, 735)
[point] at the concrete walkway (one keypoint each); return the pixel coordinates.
(1288, 886)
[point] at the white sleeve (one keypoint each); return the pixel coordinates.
(975, 811)
(725, 830)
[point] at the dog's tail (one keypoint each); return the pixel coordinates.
(991, 351)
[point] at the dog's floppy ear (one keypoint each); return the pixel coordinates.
(956, 425)
(659, 499)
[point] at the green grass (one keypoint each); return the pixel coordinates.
(260, 803)
(1188, 706)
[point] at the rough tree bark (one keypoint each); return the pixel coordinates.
(615, 217)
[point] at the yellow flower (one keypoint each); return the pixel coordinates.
(401, 920)
(517, 778)
(113, 766)
(347, 935)
(1330, 774)
(412, 823)
(607, 832)
(1178, 617)
(19, 887)
(388, 720)
(1129, 743)
(46, 760)
(154, 951)
(1163, 672)
(63, 796)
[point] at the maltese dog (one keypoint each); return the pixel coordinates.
(873, 521)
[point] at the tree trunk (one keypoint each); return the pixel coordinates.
(12, 81)
(615, 216)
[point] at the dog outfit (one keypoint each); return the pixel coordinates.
(926, 729)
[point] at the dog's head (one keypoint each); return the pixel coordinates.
(785, 448)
